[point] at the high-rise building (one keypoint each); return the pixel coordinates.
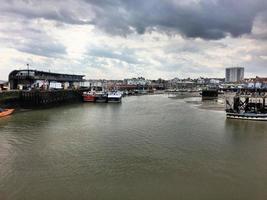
(234, 74)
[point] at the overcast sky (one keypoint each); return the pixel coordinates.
(115, 39)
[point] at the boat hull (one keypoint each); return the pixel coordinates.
(6, 112)
(247, 116)
(114, 100)
(101, 99)
(114, 97)
(89, 98)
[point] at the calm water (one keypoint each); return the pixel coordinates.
(148, 147)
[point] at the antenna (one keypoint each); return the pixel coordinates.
(28, 69)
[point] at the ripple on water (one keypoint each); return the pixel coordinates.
(148, 147)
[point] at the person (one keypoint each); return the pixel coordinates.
(1, 110)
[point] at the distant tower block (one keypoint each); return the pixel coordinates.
(234, 74)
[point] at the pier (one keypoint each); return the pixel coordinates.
(37, 98)
(31, 88)
(208, 94)
(9, 95)
(42, 98)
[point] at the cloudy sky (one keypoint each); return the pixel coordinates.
(114, 39)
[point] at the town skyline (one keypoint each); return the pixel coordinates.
(146, 78)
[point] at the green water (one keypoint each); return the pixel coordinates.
(148, 147)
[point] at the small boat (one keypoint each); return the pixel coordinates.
(89, 96)
(101, 97)
(114, 97)
(5, 112)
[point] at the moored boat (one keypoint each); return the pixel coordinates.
(114, 97)
(247, 107)
(101, 97)
(6, 112)
(89, 96)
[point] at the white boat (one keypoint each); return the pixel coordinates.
(114, 97)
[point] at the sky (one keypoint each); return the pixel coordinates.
(116, 39)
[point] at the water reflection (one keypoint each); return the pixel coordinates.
(120, 151)
(246, 129)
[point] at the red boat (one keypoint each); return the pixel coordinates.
(5, 112)
(89, 96)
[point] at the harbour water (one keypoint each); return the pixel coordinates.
(148, 147)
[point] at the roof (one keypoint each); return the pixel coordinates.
(41, 75)
(44, 72)
(3, 82)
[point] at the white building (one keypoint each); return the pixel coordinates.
(136, 81)
(214, 81)
(200, 81)
(234, 74)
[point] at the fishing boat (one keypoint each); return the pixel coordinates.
(89, 96)
(6, 112)
(101, 97)
(114, 97)
(247, 107)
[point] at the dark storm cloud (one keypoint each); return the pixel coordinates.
(208, 19)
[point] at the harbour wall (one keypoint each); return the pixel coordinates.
(38, 98)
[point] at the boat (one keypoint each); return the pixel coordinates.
(247, 116)
(209, 93)
(101, 97)
(114, 97)
(89, 96)
(246, 107)
(6, 112)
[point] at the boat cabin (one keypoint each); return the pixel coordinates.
(247, 104)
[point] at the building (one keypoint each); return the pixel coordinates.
(200, 81)
(257, 83)
(234, 74)
(3, 85)
(136, 81)
(25, 79)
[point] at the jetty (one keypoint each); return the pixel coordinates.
(209, 93)
(32, 88)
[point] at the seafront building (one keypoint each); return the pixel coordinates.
(136, 81)
(256, 83)
(234, 74)
(28, 78)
